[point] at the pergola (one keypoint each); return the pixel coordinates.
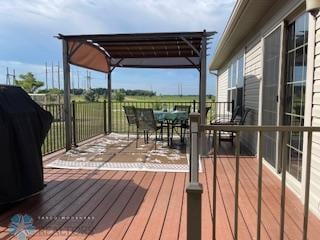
(105, 52)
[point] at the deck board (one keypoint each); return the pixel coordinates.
(152, 205)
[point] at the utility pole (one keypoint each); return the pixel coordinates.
(59, 76)
(78, 79)
(87, 80)
(72, 81)
(52, 75)
(46, 76)
(8, 77)
(14, 77)
(59, 99)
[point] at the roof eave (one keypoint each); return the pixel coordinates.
(244, 12)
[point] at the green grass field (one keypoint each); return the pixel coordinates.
(163, 98)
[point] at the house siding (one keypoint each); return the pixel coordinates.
(252, 76)
(253, 71)
(223, 85)
(315, 160)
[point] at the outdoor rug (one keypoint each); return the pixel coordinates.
(117, 152)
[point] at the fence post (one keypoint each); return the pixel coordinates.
(194, 105)
(105, 116)
(74, 127)
(194, 189)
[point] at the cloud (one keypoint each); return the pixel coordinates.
(28, 27)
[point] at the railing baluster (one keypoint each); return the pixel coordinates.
(283, 183)
(260, 139)
(215, 159)
(307, 187)
(236, 194)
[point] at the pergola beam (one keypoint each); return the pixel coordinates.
(191, 46)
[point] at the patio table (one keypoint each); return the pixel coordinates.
(170, 118)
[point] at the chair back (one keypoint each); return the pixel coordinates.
(145, 119)
(130, 112)
(184, 108)
(244, 116)
(235, 113)
(207, 110)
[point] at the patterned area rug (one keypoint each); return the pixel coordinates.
(117, 152)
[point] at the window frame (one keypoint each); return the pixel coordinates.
(234, 79)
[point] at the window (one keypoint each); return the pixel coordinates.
(295, 85)
(270, 87)
(236, 82)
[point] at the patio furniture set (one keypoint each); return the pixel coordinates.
(148, 121)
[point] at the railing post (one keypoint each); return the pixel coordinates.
(232, 106)
(283, 182)
(105, 116)
(307, 187)
(194, 105)
(74, 127)
(194, 188)
(109, 104)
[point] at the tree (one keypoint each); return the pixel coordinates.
(91, 96)
(28, 82)
(119, 96)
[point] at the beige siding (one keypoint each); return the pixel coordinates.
(223, 85)
(315, 165)
(252, 73)
(253, 77)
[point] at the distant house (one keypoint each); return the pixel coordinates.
(268, 60)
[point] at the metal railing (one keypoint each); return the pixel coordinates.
(194, 218)
(55, 139)
(89, 119)
(119, 121)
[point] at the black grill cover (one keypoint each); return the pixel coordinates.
(23, 128)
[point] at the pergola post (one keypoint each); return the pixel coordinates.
(66, 92)
(109, 104)
(203, 89)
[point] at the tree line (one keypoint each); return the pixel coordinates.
(31, 85)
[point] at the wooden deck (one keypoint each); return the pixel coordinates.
(147, 205)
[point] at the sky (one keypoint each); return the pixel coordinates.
(28, 28)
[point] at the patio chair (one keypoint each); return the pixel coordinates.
(207, 110)
(184, 125)
(234, 122)
(235, 113)
(145, 121)
(130, 112)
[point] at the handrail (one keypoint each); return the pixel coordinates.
(251, 128)
(198, 130)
